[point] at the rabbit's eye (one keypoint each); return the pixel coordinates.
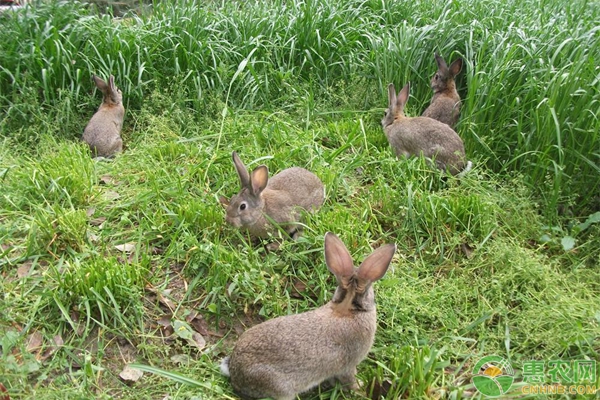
(243, 206)
(436, 77)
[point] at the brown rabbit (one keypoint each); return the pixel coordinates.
(280, 199)
(103, 132)
(291, 354)
(445, 104)
(422, 136)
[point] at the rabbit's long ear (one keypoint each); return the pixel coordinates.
(403, 97)
(456, 66)
(241, 171)
(100, 83)
(376, 264)
(391, 96)
(338, 259)
(443, 67)
(259, 180)
(112, 89)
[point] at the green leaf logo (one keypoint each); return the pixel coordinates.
(493, 376)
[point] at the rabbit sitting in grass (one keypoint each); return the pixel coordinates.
(445, 104)
(279, 199)
(422, 136)
(288, 355)
(103, 132)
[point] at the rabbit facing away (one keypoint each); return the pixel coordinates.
(279, 199)
(422, 135)
(445, 103)
(291, 354)
(103, 132)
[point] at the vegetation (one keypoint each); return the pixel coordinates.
(130, 261)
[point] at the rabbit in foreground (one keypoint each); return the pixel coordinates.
(421, 135)
(280, 199)
(103, 132)
(288, 355)
(445, 103)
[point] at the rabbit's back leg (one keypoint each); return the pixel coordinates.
(348, 379)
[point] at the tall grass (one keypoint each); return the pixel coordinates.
(530, 85)
(104, 255)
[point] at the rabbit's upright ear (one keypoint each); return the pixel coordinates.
(443, 67)
(391, 96)
(403, 97)
(259, 179)
(338, 259)
(100, 83)
(376, 264)
(224, 201)
(456, 66)
(241, 170)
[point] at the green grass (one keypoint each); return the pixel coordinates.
(100, 260)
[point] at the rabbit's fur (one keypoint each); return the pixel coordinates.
(445, 103)
(103, 132)
(288, 355)
(421, 135)
(280, 199)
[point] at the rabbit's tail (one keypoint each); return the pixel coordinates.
(466, 170)
(225, 366)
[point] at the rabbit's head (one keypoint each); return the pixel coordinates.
(354, 291)
(443, 79)
(395, 110)
(247, 206)
(112, 94)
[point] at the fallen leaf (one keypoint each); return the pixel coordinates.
(93, 238)
(181, 359)
(58, 342)
(4, 393)
(24, 269)
(297, 288)
(127, 247)
(131, 374)
(111, 195)
(197, 340)
(34, 342)
(165, 320)
(97, 221)
(198, 323)
(106, 179)
(379, 389)
(467, 250)
(90, 211)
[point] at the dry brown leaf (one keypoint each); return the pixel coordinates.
(161, 298)
(75, 318)
(181, 359)
(165, 320)
(34, 342)
(131, 374)
(467, 250)
(197, 340)
(58, 342)
(106, 179)
(126, 247)
(24, 269)
(4, 393)
(198, 323)
(97, 221)
(298, 287)
(111, 195)
(90, 211)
